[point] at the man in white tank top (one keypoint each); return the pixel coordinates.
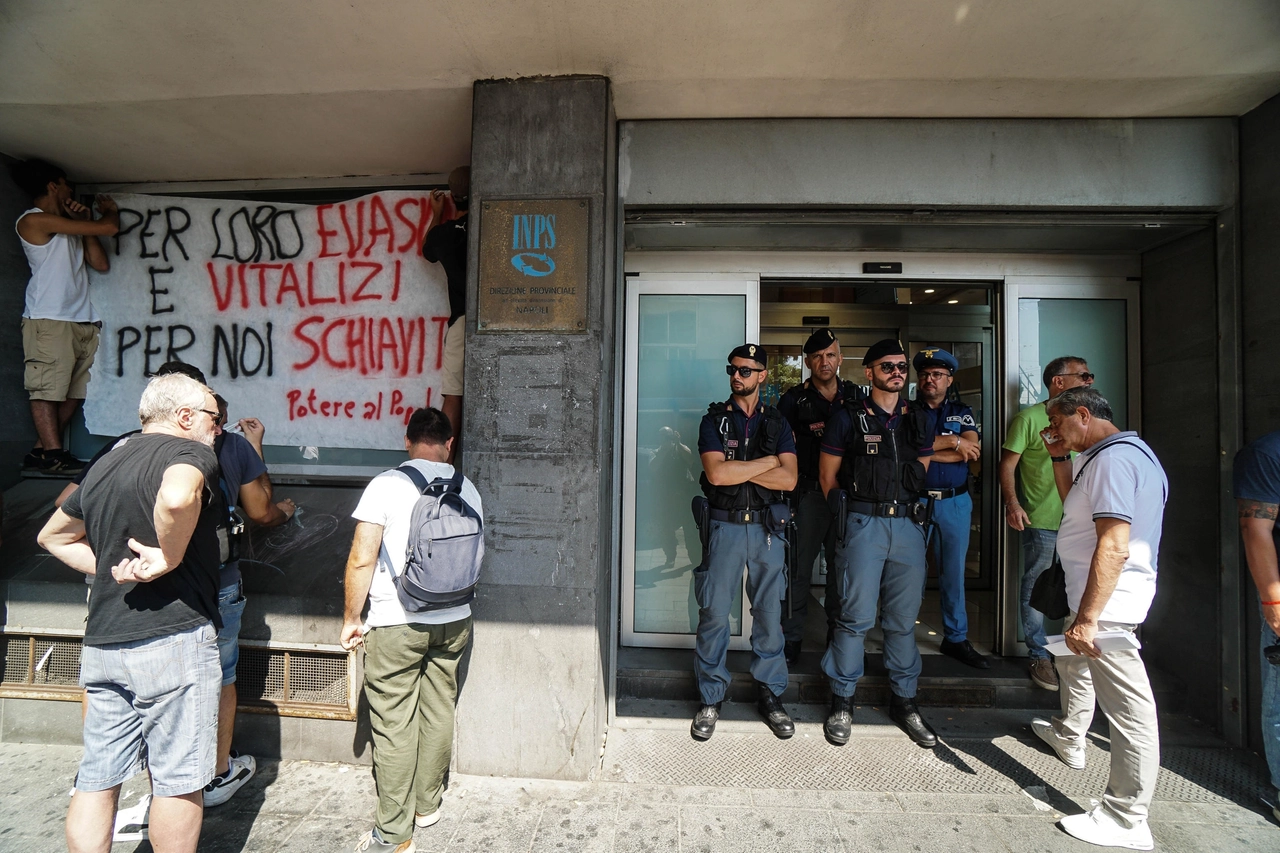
(59, 324)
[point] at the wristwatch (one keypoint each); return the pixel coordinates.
(1066, 458)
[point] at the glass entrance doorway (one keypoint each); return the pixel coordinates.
(679, 328)
(956, 316)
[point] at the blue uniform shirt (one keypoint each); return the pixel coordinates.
(709, 438)
(1255, 474)
(950, 418)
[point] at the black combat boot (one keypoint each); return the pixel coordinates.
(905, 713)
(839, 724)
(774, 715)
(704, 722)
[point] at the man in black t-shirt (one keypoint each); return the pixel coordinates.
(446, 245)
(144, 525)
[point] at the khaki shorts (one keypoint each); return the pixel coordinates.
(58, 355)
(454, 351)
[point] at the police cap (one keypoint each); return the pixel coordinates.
(878, 350)
(935, 356)
(755, 352)
(819, 341)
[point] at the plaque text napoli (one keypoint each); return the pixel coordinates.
(533, 266)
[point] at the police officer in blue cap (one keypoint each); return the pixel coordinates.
(956, 443)
(872, 469)
(808, 407)
(749, 462)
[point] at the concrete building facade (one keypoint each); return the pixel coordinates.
(1148, 196)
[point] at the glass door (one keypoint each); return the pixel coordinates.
(678, 332)
(1094, 320)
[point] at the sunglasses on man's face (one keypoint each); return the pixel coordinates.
(744, 372)
(888, 368)
(1085, 376)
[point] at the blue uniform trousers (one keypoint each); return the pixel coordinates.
(731, 548)
(881, 561)
(950, 544)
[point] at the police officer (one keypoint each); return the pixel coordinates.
(807, 407)
(874, 455)
(749, 461)
(956, 443)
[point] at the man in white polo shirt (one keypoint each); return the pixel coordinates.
(1113, 494)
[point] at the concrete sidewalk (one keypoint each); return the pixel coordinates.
(990, 787)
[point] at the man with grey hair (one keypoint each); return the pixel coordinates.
(143, 524)
(1037, 517)
(1113, 496)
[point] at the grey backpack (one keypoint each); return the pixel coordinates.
(446, 546)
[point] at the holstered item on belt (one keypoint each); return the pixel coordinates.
(702, 517)
(923, 516)
(838, 503)
(792, 557)
(229, 538)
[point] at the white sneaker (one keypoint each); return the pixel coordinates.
(1071, 752)
(241, 770)
(131, 823)
(1101, 828)
(423, 820)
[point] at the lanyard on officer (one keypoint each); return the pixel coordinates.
(867, 410)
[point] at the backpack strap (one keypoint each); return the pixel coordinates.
(419, 480)
(1080, 473)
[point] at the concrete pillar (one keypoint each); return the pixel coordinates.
(538, 445)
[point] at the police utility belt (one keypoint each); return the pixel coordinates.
(882, 509)
(774, 516)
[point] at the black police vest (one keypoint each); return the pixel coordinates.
(881, 463)
(809, 411)
(744, 495)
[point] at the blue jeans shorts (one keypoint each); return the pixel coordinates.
(231, 609)
(151, 702)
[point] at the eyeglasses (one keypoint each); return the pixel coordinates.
(744, 372)
(217, 416)
(889, 368)
(935, 375)
(1084, 376)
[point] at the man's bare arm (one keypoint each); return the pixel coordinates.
(361, 562)
(255, 500)
(1257, 523)
(1109, 557)
(784, 477)
(64, 538)
(733, 472)
(1014, 514)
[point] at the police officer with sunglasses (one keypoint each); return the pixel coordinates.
(875, 452)
(749, 461)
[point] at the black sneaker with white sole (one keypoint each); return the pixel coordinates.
(225, 785)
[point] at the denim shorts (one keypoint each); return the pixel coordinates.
(231, 609)
(151, 702)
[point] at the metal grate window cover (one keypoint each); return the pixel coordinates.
(41, 667)
(296, 683)
(288, 682)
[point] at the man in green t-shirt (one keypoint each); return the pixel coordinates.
(1039, 513)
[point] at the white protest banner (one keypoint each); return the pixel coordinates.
(323, 321)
